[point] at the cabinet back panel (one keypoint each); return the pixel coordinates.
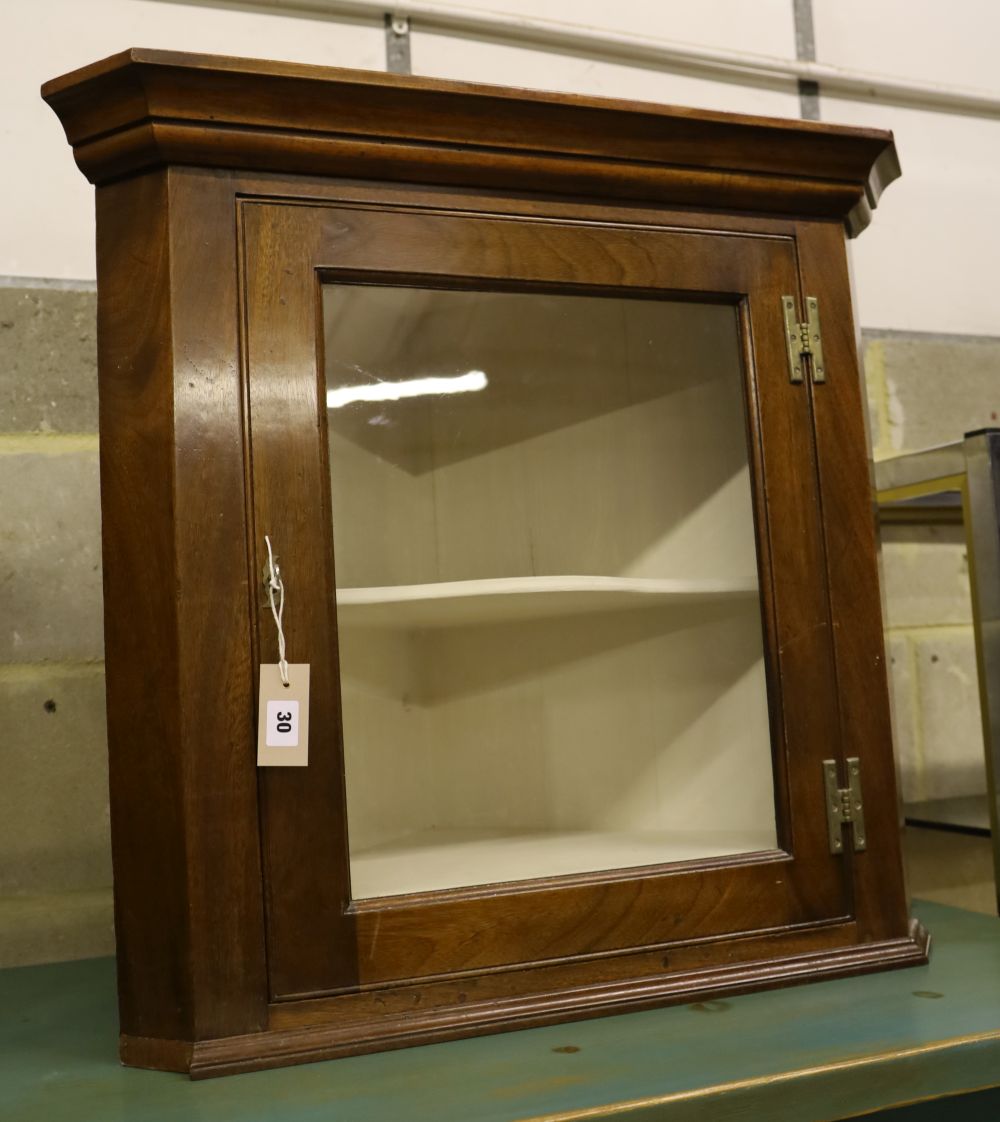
(567, 457)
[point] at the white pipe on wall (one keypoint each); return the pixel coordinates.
(443, 17)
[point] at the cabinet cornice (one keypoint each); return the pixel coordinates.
(145, 109)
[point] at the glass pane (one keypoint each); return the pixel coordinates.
(550, 628)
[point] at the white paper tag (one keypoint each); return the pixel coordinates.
(282, 724)
(283, 721)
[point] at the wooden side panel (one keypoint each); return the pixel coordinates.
(146, 775)
(855, 604)
(183, 785)
(216, 672)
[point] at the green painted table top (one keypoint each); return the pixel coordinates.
(822, 1051)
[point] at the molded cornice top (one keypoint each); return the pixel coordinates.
(145, 109)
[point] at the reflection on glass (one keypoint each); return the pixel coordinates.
(411, 387)
(551, 650)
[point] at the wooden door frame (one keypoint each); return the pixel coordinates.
(306, 869)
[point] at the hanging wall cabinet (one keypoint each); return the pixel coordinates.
(551, 412)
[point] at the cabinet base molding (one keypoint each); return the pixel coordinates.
(282, 1047)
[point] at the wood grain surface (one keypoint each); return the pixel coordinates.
(222, 210)
(142, 109)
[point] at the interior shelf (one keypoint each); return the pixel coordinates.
(453, 603)
(455, 858)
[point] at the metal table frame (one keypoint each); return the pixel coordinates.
(961, 482)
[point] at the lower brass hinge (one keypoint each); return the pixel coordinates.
(844, 805)
(802, 338)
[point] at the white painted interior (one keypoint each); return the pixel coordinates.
(507, 711)
(924, 265)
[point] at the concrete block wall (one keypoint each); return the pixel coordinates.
(55, 867)
(55, 874)
(925, 390)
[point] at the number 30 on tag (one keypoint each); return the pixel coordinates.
(283, 717)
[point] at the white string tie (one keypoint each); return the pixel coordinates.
(275, 584)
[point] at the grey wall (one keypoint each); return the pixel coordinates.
(55, 868)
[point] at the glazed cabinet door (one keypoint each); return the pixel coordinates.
(546, 506)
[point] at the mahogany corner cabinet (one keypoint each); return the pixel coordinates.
(536, 423)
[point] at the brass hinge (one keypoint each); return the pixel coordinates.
(803, 338)
(844, 805)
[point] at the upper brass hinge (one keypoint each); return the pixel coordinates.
(803, 338)
(844, 805)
